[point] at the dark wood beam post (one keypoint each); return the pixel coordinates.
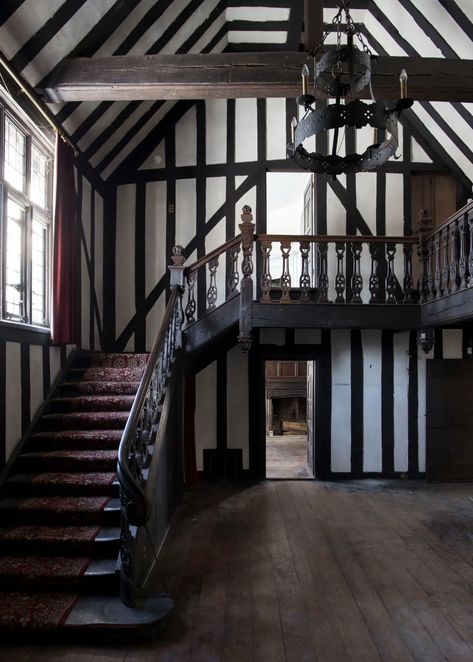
(313, 24)
(247, 228)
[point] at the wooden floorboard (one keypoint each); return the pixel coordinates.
(305, 571)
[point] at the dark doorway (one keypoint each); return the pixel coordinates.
(289, 429)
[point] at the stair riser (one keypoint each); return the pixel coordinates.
(97, 388)
(85, 585)
(70, 422)
(45, 443)
(26, 490)
(73, 406)
(27, 465)
(103, 518)
(94, 549)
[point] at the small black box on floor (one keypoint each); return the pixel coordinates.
(224, 464)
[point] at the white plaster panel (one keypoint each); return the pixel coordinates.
(422, 410)
(401, 384)
(157, 159)
(155, 245)
(98, 276)
(307, 336)
(408, 28)
(215, 195)
(123, 30)
(341, 401)
(125, 256)
(451, 31)
(185, 211)
(237, 402)
(246, 147)
(272, 337)
(276, 128)
(214, 28)
(12, 396)
(366, 198)
(394, 207)
(186, 31)
(153, 321)
(216, 130)
(205, 411)
(452, 340)
(54, 362)
(418, 154)
(186, 139)
(372, 430)
(251, 37)
(102, 123)
(246, 13)
(36, 378)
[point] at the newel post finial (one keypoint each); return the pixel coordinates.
(176, 269)
(247, 228)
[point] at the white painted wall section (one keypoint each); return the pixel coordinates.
(372, 435)
(205, 411)
(401, 385)
(341, 402)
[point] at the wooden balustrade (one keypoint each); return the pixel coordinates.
(354, 261)
(446, 256)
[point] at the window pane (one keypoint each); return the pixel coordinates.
(38, 273)
(15, 156)
(39, 177)
(14, 283)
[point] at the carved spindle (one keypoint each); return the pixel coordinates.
(304, 280)
(266, 280)
(437, 271)
(286, 274)
(357, 278)
(323, 273)
(408, 281)
(462, 257)
(340, 280)
(430, 269)
(212, 291)
(191, 303)
(390, 276)
(234, 277)
(470, 251)
(453, 257)
(374, 276)
(247, 229)
(445, 272)
(422, 285)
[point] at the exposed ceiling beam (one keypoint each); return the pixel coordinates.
(235, 75)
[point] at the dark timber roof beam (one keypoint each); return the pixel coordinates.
(236, 75)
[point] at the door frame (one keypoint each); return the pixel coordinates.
(259, 354)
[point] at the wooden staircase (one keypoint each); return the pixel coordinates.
(60, 509)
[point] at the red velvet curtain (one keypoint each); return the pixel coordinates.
(65, 297)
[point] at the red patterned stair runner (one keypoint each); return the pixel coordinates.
(55, 514)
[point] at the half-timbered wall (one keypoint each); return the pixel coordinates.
(188, 189)
(29, 364)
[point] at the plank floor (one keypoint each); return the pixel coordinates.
(300, 571)
(286, 456)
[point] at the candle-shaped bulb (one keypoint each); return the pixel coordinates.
(293, 129)
(375, 136)
(403, 82)
(305, 79)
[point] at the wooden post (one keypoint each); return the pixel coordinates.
(247, 229)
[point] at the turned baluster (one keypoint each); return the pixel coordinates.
(430, 269)
(422, 285)
(304, 280)
(212, 291)
(266, 281)
(390, 276)
(408, 281)
(374, 276)
(470, 253)
(191, 303)
(340, 280)
(437, 272)
(286, 274)
(445, 270)
(357, 278)
(323, 273)
(234, 277)
(453, 257)
(462, 257)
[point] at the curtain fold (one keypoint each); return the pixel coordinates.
(65, 296)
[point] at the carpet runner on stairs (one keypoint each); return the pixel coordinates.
(59, 507)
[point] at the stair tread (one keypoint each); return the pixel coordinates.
(85, 403)
(78, 454)
(60, 534)
(76, 477)
(58, 504)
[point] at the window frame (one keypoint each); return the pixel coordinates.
(32, 212)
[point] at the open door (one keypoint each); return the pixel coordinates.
(310, 415)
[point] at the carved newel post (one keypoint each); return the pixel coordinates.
(176, 277)
(247, 228)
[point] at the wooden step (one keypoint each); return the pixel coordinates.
(115, 420)
(97, 388)
(61, 510)
(67, 460)
(75, 439)
(60, 540)
(92, 403)
(68, 484)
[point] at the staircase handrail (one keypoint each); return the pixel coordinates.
(223, 248)
(134, 499)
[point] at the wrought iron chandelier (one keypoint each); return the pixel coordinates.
(342, 73)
